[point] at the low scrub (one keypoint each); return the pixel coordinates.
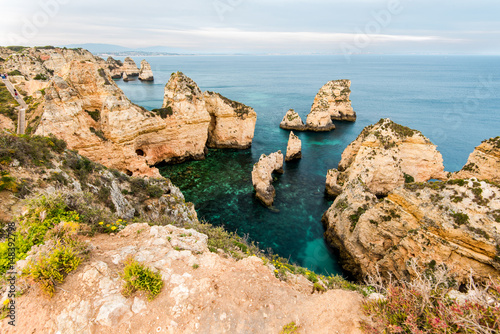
(137, 277)
(426, 304)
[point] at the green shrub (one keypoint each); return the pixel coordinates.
(409, 178)
(164, 112)
(96, 115)
(7, 104)
(290, 328)
(460, 218)
(139, 277)
(15, 72)
(40, 76)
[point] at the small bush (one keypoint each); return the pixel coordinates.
(409, 178)
(290, 328)
(139, 277)
(460, 218)
(15, 72)
(164, 112)
(40, 76)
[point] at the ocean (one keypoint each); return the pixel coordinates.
(452, 100)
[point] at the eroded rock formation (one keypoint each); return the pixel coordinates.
(292, 121)
(130, 68)
(386, 153)
(146, 74)
(80, 103)
(330, 104)
(483, 162)
(294, 148)
(232, 123)
(386, 213)
(114, 67)
(333, 98)
(262, 176)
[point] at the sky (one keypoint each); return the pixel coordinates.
(260, 26)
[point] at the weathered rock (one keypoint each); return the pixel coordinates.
(332, 187)
(294, 148)
(319, 120)
(232, 123)
(292, 121)
(333, 98)
(385, 154)
(130, 68)
(262, 176)
(443, 222)
(483, 163)
(146, 74)
(114, 67)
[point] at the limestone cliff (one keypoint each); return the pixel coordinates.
(484, 162)
(294, 148)
(114, 67)
(454, 222)
(385, 154)
(232, 123)
(130, 68)
(386, 213)
(146, 74)
(333, 98)
(80, 103)
(262, 176)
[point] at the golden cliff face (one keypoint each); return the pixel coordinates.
(80, 103)
(484, 162)
(386, 213)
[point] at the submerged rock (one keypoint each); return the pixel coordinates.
(294, 148)
(146, 74)
(262, 176)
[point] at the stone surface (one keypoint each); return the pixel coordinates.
(114, 67)
(333, 98)
(130, 68)
(292, 121)
(319, 120)
(384, 153)
(483, 162)
(232, 123)
(332, 187)
(146, 74)
(262, 176)
(444, 222)
(294, 148)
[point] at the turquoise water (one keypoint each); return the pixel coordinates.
(454, 101)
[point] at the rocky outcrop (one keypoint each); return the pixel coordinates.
(232, 123)
(386, 213)
(114, 67)
(292, 121)
(333, 188)
(385, 155)
(262, 176)
(451, 222)
(333, 98)
(146, 74)
(483, 163)
(294, 148)
(319, 120)
(80, 103)
(130, 68)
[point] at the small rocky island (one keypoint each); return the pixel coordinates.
(262, 176)
(332, 103)
(294, 148)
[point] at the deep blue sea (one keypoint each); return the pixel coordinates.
(453, 100)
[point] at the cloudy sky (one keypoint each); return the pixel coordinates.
(260, 26)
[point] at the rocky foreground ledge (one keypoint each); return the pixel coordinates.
(386, 213)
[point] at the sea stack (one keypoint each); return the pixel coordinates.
(130, 68)
(294, 148)
(114, 67)
(333, 98)
(483, 163)
(232, 123)
(262, 176)
(146, 74)
(292, 121)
